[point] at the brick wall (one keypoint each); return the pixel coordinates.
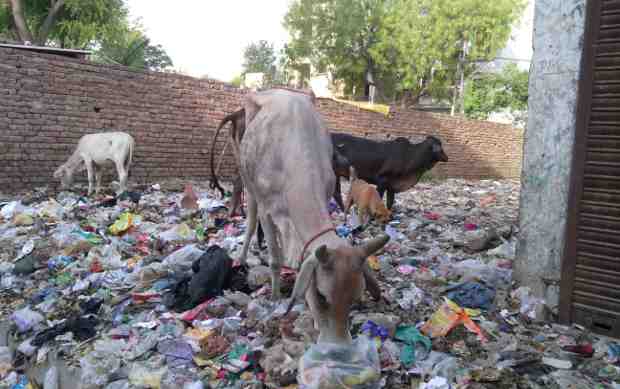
(48, 102)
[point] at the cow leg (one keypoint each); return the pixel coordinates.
(89, 170)
(122, 175)
(390, 198)
(275, 262)
(98, 177)
(235, 202)
(250, 229)
(338, 194)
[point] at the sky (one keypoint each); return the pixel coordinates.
(207, 37)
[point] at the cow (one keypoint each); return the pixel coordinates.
(285, 136)
(96, 150)
(394, 166)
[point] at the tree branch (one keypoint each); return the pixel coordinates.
(20, 21)
(47, 25)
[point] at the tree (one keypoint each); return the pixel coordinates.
(495, 92)
(131, 47)
(259, 57)
(336, 34)
(236, 81)
(435, 43)
(63, 23)
(406, 48)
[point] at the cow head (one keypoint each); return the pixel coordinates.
(332, 280)
(65, 174)
(437, 149)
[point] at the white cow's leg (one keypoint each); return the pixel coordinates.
(98, 177)
(89, 170)
(250, 228)
(122, 175)
(275, 253)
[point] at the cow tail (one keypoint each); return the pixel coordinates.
(214, 182)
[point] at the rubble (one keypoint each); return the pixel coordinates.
(142, 290)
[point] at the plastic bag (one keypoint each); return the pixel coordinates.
(96, 368)
(11, 209)
(182, 259)
(144, 376)
(26, 319)
(51, 379)
(436, 383)
(107, 257)
(180, 232)
(331, 366)
(51, 209)
(529, 303)
(6, 359)
(122, 224)
(411, 336)
(448, 316)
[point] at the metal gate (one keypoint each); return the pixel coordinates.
(590, 287)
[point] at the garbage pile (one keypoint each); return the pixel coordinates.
(142, 290)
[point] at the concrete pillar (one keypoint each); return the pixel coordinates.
(548, 144)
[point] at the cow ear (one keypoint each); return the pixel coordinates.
(375, 244)
(304, 278)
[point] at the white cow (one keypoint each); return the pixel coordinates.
(97, 150)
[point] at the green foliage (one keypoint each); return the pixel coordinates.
(259, 57)
(75, 23)
(335, 33)
(236, 81)
(495, 92)
(130, 47)
(409, 46)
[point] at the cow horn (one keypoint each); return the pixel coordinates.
(371, 283)
(306, 273)
(375, 244)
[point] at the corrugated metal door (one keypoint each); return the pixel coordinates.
(590, 289)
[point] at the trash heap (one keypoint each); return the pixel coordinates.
(142, 290)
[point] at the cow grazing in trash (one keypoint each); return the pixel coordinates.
(96, 150)
(285, 136)
(394, 166)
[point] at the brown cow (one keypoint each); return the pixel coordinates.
(285, 136)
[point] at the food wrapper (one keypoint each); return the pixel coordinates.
(121, 225)
(448, 316)
(333, 366)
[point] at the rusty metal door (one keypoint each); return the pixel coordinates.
(590, 287)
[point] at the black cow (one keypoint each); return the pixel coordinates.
(394, 165)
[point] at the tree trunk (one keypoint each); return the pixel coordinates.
(23, 31)
(44, 32)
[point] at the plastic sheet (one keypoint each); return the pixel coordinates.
(448, 316)
(331, 366)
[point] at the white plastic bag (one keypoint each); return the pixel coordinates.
(182, 259)
(26, 319)
(333, 366)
